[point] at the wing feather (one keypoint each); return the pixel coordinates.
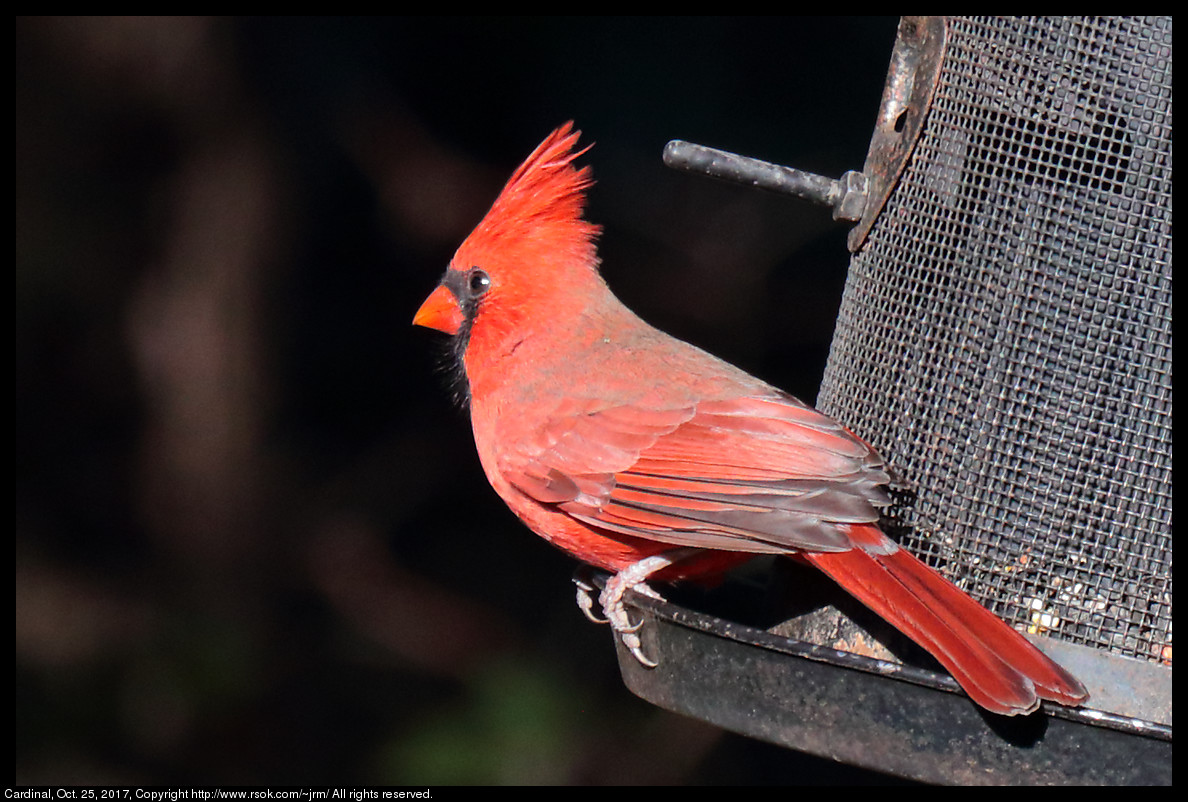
(763, 474)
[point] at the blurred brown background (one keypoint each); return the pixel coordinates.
(253, 543)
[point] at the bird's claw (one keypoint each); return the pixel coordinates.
(585, 601)
(635, 646)
(620, 620)
(634, 577)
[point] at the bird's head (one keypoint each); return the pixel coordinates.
(530, 254)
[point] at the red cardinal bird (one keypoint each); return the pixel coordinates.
(645, 456)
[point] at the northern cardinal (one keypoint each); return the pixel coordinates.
(645, 456)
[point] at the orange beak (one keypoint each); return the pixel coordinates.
(440, 311)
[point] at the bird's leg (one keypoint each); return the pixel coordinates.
(633, 577)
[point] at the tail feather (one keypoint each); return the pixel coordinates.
(999, 668)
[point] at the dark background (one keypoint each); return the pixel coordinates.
(253, 543)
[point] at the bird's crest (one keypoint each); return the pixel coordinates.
(540, 207)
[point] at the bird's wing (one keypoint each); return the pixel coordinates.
(761, 473)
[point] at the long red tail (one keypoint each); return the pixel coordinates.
(999, 668)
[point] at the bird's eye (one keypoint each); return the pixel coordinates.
(477, 281)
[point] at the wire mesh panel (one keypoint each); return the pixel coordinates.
(1005, 337)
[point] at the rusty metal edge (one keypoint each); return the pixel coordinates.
(911, 83)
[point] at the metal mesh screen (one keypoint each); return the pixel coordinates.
(1005, 336)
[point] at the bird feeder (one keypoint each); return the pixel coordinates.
(1005, 342)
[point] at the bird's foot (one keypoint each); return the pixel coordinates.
(633, 577)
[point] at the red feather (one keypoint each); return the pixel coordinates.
(617, 442)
